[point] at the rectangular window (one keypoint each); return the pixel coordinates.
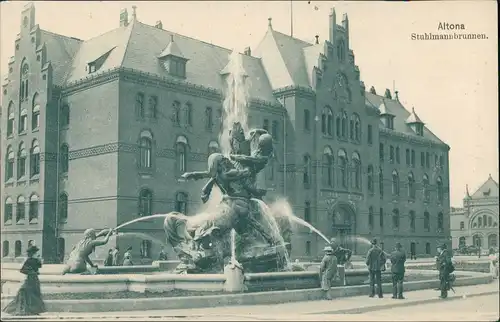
(275, 130)
(422, 159)
(8, 213)
(20, 212)
(370, 134)
(381, 219)
(33, 210)
(391, 154)
(307, 211)
(427, 160)
(462, 225)
(307, 120)
(308, 248)
(381, 152)
(413, 158)
(408, 157)
(265, 125)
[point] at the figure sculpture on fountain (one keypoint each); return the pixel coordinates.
(79, 256)
(235, 176)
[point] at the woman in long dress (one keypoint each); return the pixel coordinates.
(28, 300)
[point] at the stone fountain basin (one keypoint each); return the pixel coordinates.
(164, 282)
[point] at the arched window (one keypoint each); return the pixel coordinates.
(338, 126)
(35, 158)
(327, 121)
(381, 218)
(9, 164)
(35, 113)
(461, 242)
(213, 147)
(427, 221)
(64, 158)
(181, 154)
(23, 93)
(145, 203)
(328, 168)
(189, 114)
(153, 106)
(479, 222)
(176, 113)
(411, 186)
(209, 121)
(490, 221)
(23, 120)
(10, 119)
(22, 156)
(370, 179)
(145, 150)
(412, 221)
(20, 209)
(342, 157)
(425, 188)
(63, 207)
(181, 200)
(33, 211)
(139, 105)
(306, 178)
(65, 115)
(341, 50)
(395, 219)
(381, 182)
(357, 128)
(492, 241)
(344, 124)
(398, 156)
(307, 211)
(395, 183)
(7, 219)
(17, 248)
(356, 166)
(370, 218)
(440, 221)
(5, 248)
(440, 192)
(477, 241)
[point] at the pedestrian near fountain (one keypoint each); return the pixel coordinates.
(109, 258)
(116, 256)
(328, 271)
(127, 257)
(28, 300)
(445, 267)
(375, 259)
(398, 259)
(163, 255)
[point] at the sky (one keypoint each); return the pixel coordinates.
(453, 85)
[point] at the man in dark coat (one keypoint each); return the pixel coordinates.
(343, 254)
(375, 259)
(398, 259)
(445, 267)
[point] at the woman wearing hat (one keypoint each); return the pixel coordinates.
(328, 271)
(28, 300)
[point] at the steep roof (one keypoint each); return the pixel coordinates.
(413, 118)
(488, 189)
(60, 52)
(283, 59)
(401, 115)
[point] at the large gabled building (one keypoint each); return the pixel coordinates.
(97, 133)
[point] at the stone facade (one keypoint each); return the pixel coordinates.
(129, 118)
(476, 224)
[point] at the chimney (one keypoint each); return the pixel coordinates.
(270, 23)
(317, 39)
(123, 18)
(388, 94)
(396, 95)
(159, 25)
(248, 51)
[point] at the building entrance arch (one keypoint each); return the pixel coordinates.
(343, 225)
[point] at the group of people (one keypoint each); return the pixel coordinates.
(113, 258)
(376, 260)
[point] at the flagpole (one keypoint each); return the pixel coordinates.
(291, 18)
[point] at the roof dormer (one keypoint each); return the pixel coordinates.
(386, 116)
(173, 60)
(415, 123)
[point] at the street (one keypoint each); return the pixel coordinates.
(468, 304)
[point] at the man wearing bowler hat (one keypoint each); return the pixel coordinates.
(375, 259)
(398, 259)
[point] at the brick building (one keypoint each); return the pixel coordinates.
(98, 131)
(477, 222)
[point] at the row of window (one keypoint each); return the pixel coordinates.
(180, 115)
(33, 207)
(146, 203)
(394, 157)
(22, 156)
(35, 116)
(412, 220)
(341, 124)
(17, 248)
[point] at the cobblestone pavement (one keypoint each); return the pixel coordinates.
(418, 306)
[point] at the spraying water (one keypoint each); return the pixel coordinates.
(235, 105)
(267, 214)
(281, 208)
(233, 245)
(141, 219)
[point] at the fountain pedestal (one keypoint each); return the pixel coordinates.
(341, 273)
(235, 279)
